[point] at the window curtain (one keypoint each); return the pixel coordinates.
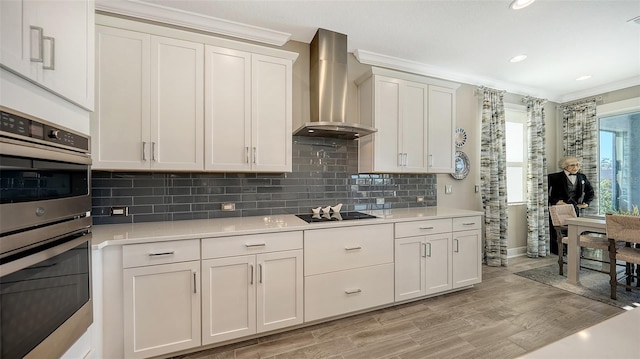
(537, 187)
(493, 177)
(580, 139)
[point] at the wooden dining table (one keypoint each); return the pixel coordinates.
(577, 226)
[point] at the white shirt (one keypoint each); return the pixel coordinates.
(571, 178)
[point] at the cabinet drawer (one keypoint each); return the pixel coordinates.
(336, 293)
(145, 254)
(330, 250)
(250, 244)
(467, 223)
(420, 228)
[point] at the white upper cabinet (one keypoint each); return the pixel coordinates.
(149, 113)
(415, 118)
(51, 43)
(248, 111)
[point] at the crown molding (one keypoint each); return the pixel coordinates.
(158, 13)
(612, 86)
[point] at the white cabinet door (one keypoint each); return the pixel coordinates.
(271, 114)
(388, 149)
(414, 127)
(149, 112)
(442, 110)
(438, 258)
(410, 268)
(51, 43)
(248, 109)
(467, 264)
(120, 124)
(228, 298)
(161, 309)
(227, 109)
(280, 290)
(245, 295)
(177, 112)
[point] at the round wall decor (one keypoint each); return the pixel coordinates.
(461, 137)
(462, 165)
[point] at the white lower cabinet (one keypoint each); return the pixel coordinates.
(255, 288)
(161, 301)
(433, 256)
(347, 269)
(467, 251)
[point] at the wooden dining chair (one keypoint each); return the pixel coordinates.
(626, 229)
(559, 214)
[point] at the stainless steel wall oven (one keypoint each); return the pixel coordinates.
(45, 237)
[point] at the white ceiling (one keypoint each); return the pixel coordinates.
(469, 41)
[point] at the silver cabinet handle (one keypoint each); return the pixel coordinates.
(469, 224)
(432, 227)
(36, 39)
(424, 250)
(406, 162)
(246, 154)
(353, 291)
(400, 159)
(429, 255)
(250, 274)
(457, 245)
(352, 248)
(162, 254)
(153, 151)
(430, 159)
(195, 286)
(248, 245)
(259, 273)
(144, 151)
(51, 63)
(255, 155)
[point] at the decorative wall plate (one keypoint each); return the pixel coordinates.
(462, 165)
(461, 137)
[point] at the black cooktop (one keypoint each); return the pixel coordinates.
(341, 216)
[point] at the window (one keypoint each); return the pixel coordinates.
(619, 144)
(516, 143)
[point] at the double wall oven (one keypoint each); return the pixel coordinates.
(45, 237)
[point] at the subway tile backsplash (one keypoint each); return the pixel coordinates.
(325, 172)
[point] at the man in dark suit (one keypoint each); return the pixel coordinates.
(568, 187)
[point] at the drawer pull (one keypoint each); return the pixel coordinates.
(427, 227)
(353, 291)
(469, 224)
(255, 245)
(352, 248)
(162, 254)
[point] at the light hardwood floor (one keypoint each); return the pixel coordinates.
(504, 317)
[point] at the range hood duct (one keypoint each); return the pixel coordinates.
(328, 90)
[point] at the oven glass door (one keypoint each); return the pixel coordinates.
(37, 299)
(25, 180)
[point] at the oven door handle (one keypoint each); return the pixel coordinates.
(11, 147)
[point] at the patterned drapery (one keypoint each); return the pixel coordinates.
(493, 168)
(580, 139)
(537, 188)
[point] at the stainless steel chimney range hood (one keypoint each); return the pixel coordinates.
(328, 90)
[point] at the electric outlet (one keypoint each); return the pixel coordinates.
(420, 199)
(477, 188)
(448, 189)
(119, 211)
(228, 207)
(380, 200)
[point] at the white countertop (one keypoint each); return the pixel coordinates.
(616, 337)
(130, 233)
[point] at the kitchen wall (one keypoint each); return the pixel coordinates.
(324, 173)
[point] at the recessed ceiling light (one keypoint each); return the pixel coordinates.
(585, 77)
(518, 58)
(520, 4)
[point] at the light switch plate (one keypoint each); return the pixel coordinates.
(228, 207)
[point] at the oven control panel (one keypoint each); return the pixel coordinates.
(15, 124)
